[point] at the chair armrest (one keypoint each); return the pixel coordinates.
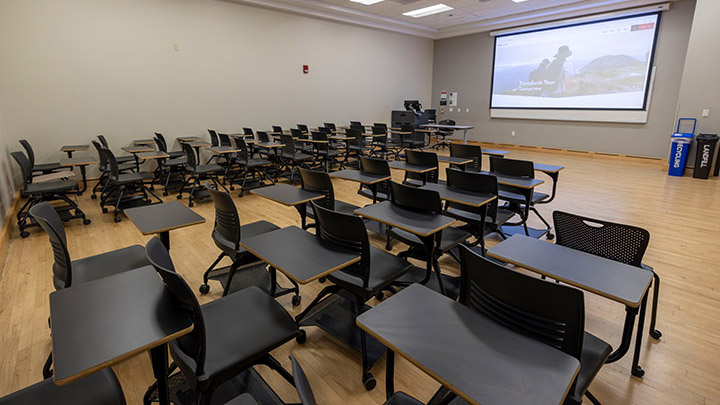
(646, 267)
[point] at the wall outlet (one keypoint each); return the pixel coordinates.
(706, 113)
(467, 110)
(176, 47)
(450, 109)
(512, 133)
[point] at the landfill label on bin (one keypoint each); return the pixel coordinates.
(705, 155)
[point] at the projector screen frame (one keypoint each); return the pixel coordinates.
(516, 112)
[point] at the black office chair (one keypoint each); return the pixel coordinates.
(442, 134)
(520, 200)
(246, 269)
(463, 150)
(37, 193)
(421, 158)
(549, 312)
(101, 184)
(303, 128)
(124, 189)
(379, 167)
(375, 271)
(330, 126)
(101, 387)
(320, 182)
(119, 159)
(356, 146)
(291, 158)
(356, 123)
(325, 153)
(621, 243)
(255, 168)
(425, 201)
(302, 386)
(67, 272)
(165, 148)
(305, 147)
(43, 168)
(166, 168)
(231, 334)
(196, 173)
(379, 143)
(416, 140)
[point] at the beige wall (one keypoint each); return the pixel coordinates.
(72, 69)
(7, 191)
(464, 64)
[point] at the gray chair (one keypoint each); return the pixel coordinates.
(41, 167)
(100, 388)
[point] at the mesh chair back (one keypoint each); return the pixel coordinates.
(28, 151)
(358, 127)
(112, 166)
(622, 243)
(103, 141)
(416, 199)
(348, 231)
(190, 156)
(288, 142)
(325, 129)
(49, 220)
(296, 133)
(318, 182)
(162, 138)
(213, 138)
(378, 130)
(423, 159)
(358, 140)
(247, 131)
(226, 231)
(25, 168)
(302, 385)
(466, 151)
(263, 136)
(102, 159)
(244, 155)
(549, 312)
(224, 139)
(324, 145)
(303, 128)
(193, 344)
(329, 125)
(160, 144)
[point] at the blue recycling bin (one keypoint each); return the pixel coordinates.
(681, 141)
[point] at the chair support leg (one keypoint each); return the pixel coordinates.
(654, 333)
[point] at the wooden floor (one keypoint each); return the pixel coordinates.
(682, 215)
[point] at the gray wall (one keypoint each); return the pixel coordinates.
(464, 64)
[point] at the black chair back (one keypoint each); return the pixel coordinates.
(190, 156)
(224, 139)
(381, 125)
(318, 182)
(49, 220)
(102, 159)
(415, 199)
(302, 385)
(162, 138)
(213, 138)
(296, 133)
(407, 128)
(358, 123)
(103, 141)
(277, 129)
(358, 128)
(263, 136)
(244, 155)
(621, 243)
(358, 139)
(512, 167)
(25, 168)
(423, 159)
(466, 151)
(112, 165)
(549, 312)
(378, 130)
(475, 182)
(247, 131)
(329, 125)
(288, 142)
(325, 129)
(304, 128)
(160, 144)
(374, 166)
(347, 231)
(28, 151)
(324, 145)
(226, 230)
(193, 344)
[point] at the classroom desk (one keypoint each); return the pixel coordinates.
(162, 218)
(476, 358)
(101, 323)
(613, 280)
(222, 150)
(82, 163)
(145, 142)
(187, 139)
(553, 171)
(135, 150)
(409, 167)
(368, 179)
(156, 154)
(524, 187)
(460, 196)
(428, 227)
(69, 149)
(454, 160)
(290, 196)
(452, 127)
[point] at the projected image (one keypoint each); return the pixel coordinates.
(599, 65)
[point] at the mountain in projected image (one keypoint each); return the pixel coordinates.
(604, 75)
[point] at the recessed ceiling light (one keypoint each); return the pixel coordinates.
(366, 2)
(518, 1)
(422, 12)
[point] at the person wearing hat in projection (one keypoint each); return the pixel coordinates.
(556, 72)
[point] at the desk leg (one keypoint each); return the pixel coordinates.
(137, 162)
(159, 359)
(69, 153)
(430, 243)
(630, 314)
(302, 210)
(84, 179)
(165, 239)
(464, 135)
(636, 370)
(374, 191)
(389, 374)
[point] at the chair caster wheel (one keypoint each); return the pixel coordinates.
(117, 219)
(638, 372)
(204, 289)
(321, 280)
(24, 234)
(369, 382)
(191, 204)
(388, 246)
(302, 338)
(296, 299)
(232, 188)
(104, 210)
(550, 236)
(86, 221)
(380, 296)
(179, 196)
(655, 334)
(165, 193)
(94, 197)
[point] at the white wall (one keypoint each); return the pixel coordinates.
(73, 69)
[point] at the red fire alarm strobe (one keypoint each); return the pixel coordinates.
(306, 69)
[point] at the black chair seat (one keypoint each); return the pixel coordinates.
(177, 161)
(503, 215)
(384, 269)
(340, 206)
(105, 264)
(176, 154)
(367, 193)
(296, 157)
(358, 148)
(98, 388)
(243, 399)
(451, 237)
(204, 169)
(128, 178)
(329, 153)
(241, 328)
(257, 162)
(401, 398)
(124, 167)
(594, 354)
(519, 198)
(46, 167)
(57, 186)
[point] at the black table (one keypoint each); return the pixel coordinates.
(428, 227)
(101, 323)
(460, 196)
(82, 163)
(162, 218)
(69, 149)
(613, 280)
(290, 196)
(468, 353)
(368, 179)
(409, 167)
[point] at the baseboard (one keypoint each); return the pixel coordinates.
(7, 229)
(635, 158)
